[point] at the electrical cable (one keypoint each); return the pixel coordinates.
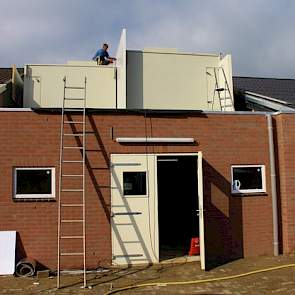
(191, 282)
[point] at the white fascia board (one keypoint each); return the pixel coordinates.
(266, 103)
(267, 97)
(155, 139)
(15, 109)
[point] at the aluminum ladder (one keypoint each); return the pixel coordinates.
(226, 102)
(66, 207)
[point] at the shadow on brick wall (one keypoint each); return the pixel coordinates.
(223, 219)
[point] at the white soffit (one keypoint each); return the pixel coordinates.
(7, 252)
(155, 139)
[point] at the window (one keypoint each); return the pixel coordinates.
(248, 179)
(34, 183)
(134, 183)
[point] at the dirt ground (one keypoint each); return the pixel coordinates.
(274, 282)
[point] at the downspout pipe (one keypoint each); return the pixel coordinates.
(273, 186)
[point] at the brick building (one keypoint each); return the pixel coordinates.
(236, 225)
(127, 163)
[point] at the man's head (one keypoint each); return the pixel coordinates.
(105, 46)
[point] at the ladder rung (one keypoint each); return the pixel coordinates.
(72, 190)
(71, 87)
(73, 98)
(73, 122)
(72, 175)
(73, 147)
(72, 161)
(71, 220)
(73, 134)
(72, 205)
(71, 254)
(225, 98)
(74, 110)
(71, 237)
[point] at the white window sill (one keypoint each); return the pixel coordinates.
(34, 197)
(241, 193)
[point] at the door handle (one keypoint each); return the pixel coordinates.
(198, 211)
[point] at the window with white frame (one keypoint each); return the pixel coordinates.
(34, 183)
(248, 179)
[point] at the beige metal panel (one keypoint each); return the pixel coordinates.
(159, 79)
(121, 71)
(32, 91)
(226, 65)
(101, 85)
(176, 81)
(134, 236)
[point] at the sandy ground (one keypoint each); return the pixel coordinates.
(274, 282)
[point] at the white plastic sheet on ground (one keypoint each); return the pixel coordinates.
(7, 252)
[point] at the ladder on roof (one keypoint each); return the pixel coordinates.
(71, 202)
(222, 92)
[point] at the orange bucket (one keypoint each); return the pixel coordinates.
(195, 247)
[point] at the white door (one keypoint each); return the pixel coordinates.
(201, 210)
(134, 209)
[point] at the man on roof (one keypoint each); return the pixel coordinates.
(102, 56)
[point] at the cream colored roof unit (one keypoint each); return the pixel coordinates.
(105, 86)
(169, 79)
(153, 78)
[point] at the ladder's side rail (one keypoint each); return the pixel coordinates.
(227, 86)
(216, 88)
(60, 184)
(83, 167)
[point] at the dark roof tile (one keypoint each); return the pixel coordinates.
(6, 73)
(283, 89)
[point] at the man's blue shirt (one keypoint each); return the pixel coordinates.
(100, 53)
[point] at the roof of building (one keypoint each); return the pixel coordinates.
(6, 74)
(282, 89)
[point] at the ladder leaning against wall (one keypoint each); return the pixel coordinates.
(71, 214)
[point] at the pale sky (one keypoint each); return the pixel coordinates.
(258, 33)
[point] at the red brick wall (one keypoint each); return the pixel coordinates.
(235, 226)
(286, 167)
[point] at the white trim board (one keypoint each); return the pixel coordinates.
(155, 139)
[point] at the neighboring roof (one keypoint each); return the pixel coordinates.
(6, 74)
(282, 89)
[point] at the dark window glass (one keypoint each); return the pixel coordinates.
(134, 183)
(248, 177)
(33, 181)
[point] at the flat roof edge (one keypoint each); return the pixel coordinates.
(149, 111)
(175, 53)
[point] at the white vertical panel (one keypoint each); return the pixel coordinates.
(121, 71)
(201, 210)
(226, 64)
(7, 252)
